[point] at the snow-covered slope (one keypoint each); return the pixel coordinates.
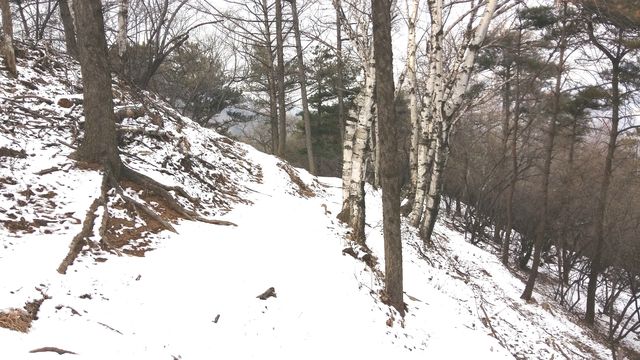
(155, 294)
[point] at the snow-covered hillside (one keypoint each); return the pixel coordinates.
(149, 293)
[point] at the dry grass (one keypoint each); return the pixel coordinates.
(16, 320)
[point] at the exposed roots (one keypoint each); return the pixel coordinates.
(145, 209)
(142, 209)
(80, 239)
(164, 192)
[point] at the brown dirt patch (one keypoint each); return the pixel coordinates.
(16, 320)
(21, 319)
(129, 234)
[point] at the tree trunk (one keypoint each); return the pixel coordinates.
(271, 75)
(99, 144)
(69, 28)
(123, 18)
(340, 74)
(353, 176)
(302, 78)
(514, 163)
(541, 231)
(413, 102)
(596, 261)
(432, 204)
(7, 41)
(282, 111)
(388, 145)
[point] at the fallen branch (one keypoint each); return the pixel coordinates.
(52, 349)
(110, 328)
(47, 171)
(42, 99)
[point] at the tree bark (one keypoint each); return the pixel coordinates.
(69, 28)
(354, 152)
(388, 150)
(123, 18)
(412, 81)
(99, 144)
(282, 111)
(597, 265)
(447, 100)
(340, 74)
(302, 78)
(273, 92)
(7, 40)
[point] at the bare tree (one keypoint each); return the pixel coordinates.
(69, 28)
(412, 82)
(7, 40)
(443, 101)
(161, 27)
(381, 15)
(282, 111)
(121, 41)
(302, 79)
(99, 144)
(358, 124)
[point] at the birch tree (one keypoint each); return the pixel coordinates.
(442, 103)
(121, 41)
(412, 81)
(358, 123)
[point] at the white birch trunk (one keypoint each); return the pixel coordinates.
(444, 104)
(123, 16)
(413, 100)
(355, 145)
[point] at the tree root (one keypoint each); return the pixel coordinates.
(109, 180)
(163, 191)
(79, 240)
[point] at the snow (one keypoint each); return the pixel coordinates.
(193, 295)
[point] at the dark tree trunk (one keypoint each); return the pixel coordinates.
(596, 261)
(389, 148)
(282, 111)
(69, 29)
(302, 78)
(541, 231)
(271, 76)
(99, 144)
(7, 40)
